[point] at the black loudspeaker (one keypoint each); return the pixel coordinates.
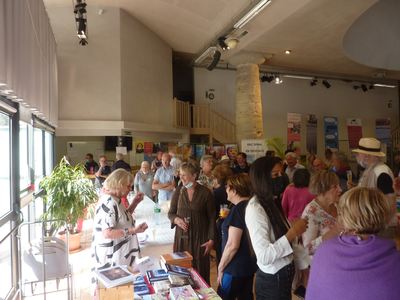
(216, 58)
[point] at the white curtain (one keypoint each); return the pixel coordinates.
(28, 63)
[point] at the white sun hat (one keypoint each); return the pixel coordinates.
(369, 146)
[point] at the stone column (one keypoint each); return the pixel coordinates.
(249, 119)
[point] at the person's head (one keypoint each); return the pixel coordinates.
(339, 160)
(206, 163)
(318, 165)
(89, 157)
(238, 186)
(326, 184)
(291, 159)
(103, 160)
(188, 173)
(118, 183)
(165, 159)
(119, 156)
(221, 172)
(363, 210)
(301, 178)
(368, 152)
(145, 167)
(231, 152)
(241, 159)
(159, 155)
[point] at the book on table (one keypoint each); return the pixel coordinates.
(177, 280)
(185, 292)
(177, 270)
(157, 275)
(114, 276)
(208, 294)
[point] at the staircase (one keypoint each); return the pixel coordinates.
(202, 120)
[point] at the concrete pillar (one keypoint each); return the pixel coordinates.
(249, 122)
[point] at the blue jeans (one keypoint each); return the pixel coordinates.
(276, 286)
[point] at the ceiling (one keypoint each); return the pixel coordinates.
(312, 29)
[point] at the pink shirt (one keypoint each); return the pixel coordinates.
(294, 201)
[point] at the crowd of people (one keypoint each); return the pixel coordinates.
(310, 228)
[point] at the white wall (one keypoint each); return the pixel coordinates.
(146, 73)
(296, 95)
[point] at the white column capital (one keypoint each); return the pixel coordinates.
(246, 57)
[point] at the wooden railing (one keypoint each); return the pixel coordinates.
(200, 119)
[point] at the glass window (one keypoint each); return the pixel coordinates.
(38, 155)
(5, 170)
(48, 152)
(24, 180)
(5, 262)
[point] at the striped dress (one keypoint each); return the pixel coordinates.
(111, 213)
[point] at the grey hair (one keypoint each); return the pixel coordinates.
(204, 158)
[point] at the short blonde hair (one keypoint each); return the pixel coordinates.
(364, 210)
(322, 181)
(116, 181)
(189, 167)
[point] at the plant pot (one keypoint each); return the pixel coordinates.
(74, 241)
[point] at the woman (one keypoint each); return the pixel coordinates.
(237, 266)
(114, 241)
(321, 212)
(144, 180)
(192, 211)
(206, 178)
(357, 264)
(296, 196)
(271, 236)
(221, 173)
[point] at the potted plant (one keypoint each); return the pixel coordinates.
(68, 192)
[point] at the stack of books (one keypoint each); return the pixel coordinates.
(156, 275)
(185, 292)
(140, 286)
(183, 259)
(114, 276)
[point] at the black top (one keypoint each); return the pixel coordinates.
(104, 171)
(91, 167)
(238, 169)
(120, 164)
(243, 264)
(385, 183)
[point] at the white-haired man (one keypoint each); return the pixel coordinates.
(164, 180)
(292, 165)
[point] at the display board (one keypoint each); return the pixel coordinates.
(76, 150)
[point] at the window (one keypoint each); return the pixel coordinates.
(5, 170)
(38, 156)
(5, 261)
(24, 179)
(48, 152)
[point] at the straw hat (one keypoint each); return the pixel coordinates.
(369, 146)
(224, 157)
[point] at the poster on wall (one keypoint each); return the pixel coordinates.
(383, 131)
(293, 129)
(148, 151)
(311, 136)
(139, 146)
(331, 135)
(232, 150)
(354, 132)
(254, 149)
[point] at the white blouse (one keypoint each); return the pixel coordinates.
(272, 255)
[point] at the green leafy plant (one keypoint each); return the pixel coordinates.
(68, 192)
(277, 144)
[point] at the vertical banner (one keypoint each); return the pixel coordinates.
(293, 129)
(331, 133)
(354, 132)
(311, 136)
(383, 131)
(254, 149)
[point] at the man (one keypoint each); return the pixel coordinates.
(90, 165)
(120, 163)
(318, 165)
(103, 172)
(242, 166)
(376, 174)
(157, 163)
(292, 165)
(164, 179)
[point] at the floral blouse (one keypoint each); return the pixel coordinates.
(205, 180)
(319, 223)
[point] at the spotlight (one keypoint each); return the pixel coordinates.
(278, 79)
(288, 51)
(364, 88)
(356, 87)
(267, 78)
(222, 44)
(232, 43)
(314, 82)
(371, 86)
(326, 84)
(216, 58)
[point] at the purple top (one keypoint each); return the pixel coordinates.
(348, 268)
(294, 201)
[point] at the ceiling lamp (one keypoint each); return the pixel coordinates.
(314, 82)
(251, 13)
(326, 84)
(288, 51)
(232, 43)
(278, 79)
(222, 44)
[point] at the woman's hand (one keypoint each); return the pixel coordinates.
(141, 228)
(219, 276)
(298, 228)
(208, 246)
(181, 223)
(138, 198)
